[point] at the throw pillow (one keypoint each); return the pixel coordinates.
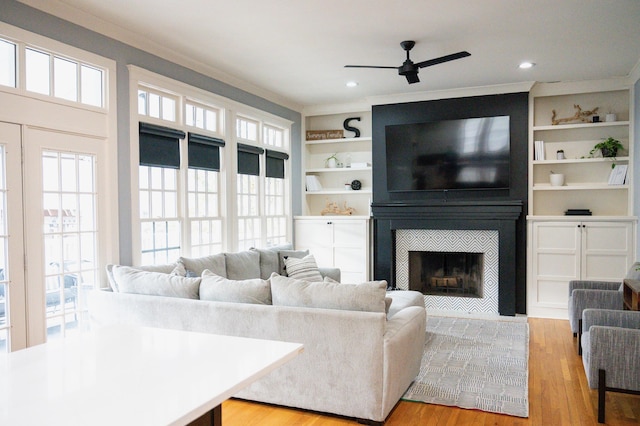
(195, 266)
(171, 268)
(242, 265)
(369, 296)
(268, 262)
(131, 280)
(220, 289)
(303, 269)
(283, 254)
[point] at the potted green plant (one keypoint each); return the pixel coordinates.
(331, 161)
(609, 147)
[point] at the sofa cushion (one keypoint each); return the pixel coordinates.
(242, 265)
(268, 262)
(305, 269)
(195, 266)
(220, 289)
(173, 269)
(284, 254)
(368, 296)
(132, 280)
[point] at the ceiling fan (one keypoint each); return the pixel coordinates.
(410, 69)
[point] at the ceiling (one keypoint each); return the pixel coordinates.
(294, 51)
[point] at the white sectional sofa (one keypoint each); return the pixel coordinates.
(358, 360)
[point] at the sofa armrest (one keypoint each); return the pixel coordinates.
(333, 273)
(593, 285)
(581, 299)
(617, 351)
(610, 318)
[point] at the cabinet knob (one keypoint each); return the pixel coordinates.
(329, 223)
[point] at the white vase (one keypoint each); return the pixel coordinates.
(556, 179)
(331, 163)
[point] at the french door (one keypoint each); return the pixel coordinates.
(53, 249)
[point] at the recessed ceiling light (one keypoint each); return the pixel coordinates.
(526, 65)
(352, 84)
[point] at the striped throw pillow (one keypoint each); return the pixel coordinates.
(304, 269)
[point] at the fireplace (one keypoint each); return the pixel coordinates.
(455, 274)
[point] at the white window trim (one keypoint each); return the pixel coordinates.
(228, 171)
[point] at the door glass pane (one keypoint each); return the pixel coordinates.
(70, 239)
(37, 71)
(90, 86)
(4, 261)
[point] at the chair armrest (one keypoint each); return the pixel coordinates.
(610, 318)
(333, 273)
(617, 351)
(593, 285)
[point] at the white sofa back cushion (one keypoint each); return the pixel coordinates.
(195, 266)
(216, 288)
(368, 296)
(131, 280)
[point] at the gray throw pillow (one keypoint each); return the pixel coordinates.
(131, 280)
(303, 269)
(368, 296)
(283, 254)
(268, 262)
(242, 265)
(220, 289)
(195, 266)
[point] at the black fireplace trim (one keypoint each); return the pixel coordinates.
(460, 215)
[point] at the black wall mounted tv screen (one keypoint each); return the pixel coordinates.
(471, 153)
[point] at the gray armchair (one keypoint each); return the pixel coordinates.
(611, 352)
(597, 295)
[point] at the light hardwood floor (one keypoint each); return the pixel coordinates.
(558, 395)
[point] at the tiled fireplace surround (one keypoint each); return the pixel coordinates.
(480, 227)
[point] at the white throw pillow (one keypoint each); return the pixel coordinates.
(303, 269)
(131, 280)
(368, 296)
(220, 289)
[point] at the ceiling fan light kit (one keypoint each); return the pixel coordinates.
(409, 69)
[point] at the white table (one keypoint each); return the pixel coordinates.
(131, 376)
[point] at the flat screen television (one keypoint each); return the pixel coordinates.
(471, 153)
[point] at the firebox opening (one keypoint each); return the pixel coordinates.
(446, 273)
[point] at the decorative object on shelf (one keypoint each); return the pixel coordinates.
(351, 128)
(609, 148)
(356, 185)
(580, 115)
(578, 212)
(618, 174)
(313, 183)
(595, 119)
(318, 135)
(610, 117)
(331, 161)
(347, 186)
(347, 161)
(556, 179)
(560, 154)
(333, 209)
(360, 165)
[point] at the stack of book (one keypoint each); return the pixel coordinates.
(538, 150)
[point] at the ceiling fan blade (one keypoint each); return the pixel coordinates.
(370, 66)
(443, 59)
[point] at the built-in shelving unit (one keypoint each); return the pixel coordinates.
(334, 181)
(562, 247)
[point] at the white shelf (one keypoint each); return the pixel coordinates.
(341, 140)
(582, 160)
(329, 191)
(580, 126)
(574, 187)
(338, 169)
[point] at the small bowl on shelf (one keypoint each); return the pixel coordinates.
(556, 179)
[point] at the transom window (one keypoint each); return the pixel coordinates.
(156, 104)
(52, 75)
(246, 129)
(202, 117)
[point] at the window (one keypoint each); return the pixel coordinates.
(193, 201)
(7, 63)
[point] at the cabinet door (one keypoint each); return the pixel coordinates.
(607, 250)
(317, 237)
(556, 261)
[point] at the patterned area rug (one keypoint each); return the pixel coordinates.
(475, 363)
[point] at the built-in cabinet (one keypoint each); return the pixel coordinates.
(339, 242)
(600, 246)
